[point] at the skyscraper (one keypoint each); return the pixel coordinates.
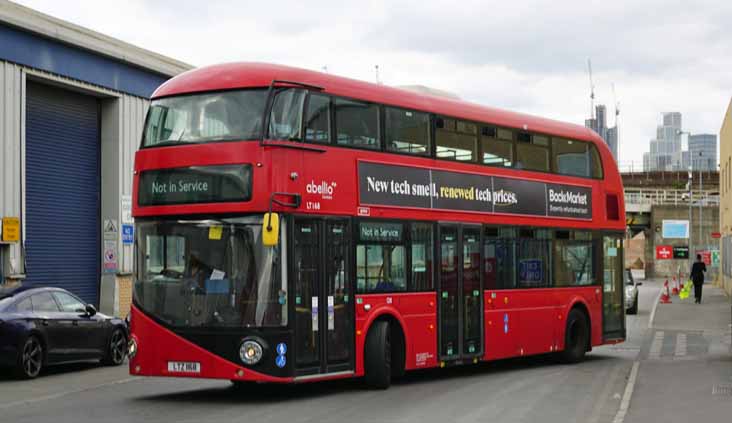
(599, 125)
(665, 152)
(703, 152)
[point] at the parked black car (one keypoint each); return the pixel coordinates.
(46, 326)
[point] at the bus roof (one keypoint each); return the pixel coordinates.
(249, 74)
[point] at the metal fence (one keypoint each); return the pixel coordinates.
(671, 197)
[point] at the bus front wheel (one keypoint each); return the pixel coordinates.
(576, 337)
(377, 359)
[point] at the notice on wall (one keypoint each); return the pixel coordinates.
(10, 229)
(110, 229)
(110, 256)
(126, 206)
(664, 252)
(402, 186)
(675, 228)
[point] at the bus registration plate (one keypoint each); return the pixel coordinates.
(184, 367)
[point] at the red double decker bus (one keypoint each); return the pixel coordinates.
(296, 226)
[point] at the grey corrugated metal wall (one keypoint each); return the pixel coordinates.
(132, 120)
(11, 92)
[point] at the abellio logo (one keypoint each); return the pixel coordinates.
(325, 189)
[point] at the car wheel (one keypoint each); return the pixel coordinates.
(30, 359)
(378, 356)
(116, 348)
(634, 309)
(575, 337)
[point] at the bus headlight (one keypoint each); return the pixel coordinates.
(132, 348)
(250, 352)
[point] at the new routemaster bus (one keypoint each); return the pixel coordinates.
(296, 226)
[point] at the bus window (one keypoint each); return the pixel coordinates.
(573, 259)
(381, 259)
(499, 251)
(317, 119)
(422, 257)
(357, 124)
(380, 268)
(407, 131)
(285, 118)
(571, 157)
(533, 258)
(230, 115)
(596, 163)
(456, 140)
(495, 152)
(532, 152)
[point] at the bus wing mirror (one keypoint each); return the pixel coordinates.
(270, 229)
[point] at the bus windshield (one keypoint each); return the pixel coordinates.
(196, 118)
(209, 274)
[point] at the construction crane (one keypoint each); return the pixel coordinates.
(592, 90)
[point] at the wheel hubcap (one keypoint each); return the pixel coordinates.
(118, 347)
(32, 357)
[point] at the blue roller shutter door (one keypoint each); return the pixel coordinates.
(62, 190)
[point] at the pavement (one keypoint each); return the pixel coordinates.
(685, 362)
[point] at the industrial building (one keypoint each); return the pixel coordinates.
(72, 109)
(725, 194)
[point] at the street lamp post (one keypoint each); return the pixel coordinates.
(701, 235)
(691, 179)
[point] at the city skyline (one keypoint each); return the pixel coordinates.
(667, 152)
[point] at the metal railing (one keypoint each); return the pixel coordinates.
(671, 197)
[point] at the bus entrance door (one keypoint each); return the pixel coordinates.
(460, 293)
(322, 296)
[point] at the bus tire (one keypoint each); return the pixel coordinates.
(377, 358)
(576, 337)
(398, 351)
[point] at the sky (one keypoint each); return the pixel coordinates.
(528, 56)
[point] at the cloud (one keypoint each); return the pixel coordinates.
(528, 56)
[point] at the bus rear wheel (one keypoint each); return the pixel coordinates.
(378, 355)
(576, 337)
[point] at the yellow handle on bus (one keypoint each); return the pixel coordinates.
(270, 229)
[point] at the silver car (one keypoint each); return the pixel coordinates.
(631, 293)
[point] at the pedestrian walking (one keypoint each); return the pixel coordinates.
(697, 276)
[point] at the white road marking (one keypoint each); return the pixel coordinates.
(680, 345)
(63, 394)
(625, 403)
(653, 310)
(656, 345)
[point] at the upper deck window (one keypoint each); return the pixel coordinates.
(572, 157)
(532, 152)
(222, 116)
(456, 140)
(317, 119)
(285, 118)
(496, 147)
(357, 124)
(407, 131)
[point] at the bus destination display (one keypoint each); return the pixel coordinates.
(197, 184)
(402, 186)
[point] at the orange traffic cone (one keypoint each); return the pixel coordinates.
(675, 290)
(665, 297)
